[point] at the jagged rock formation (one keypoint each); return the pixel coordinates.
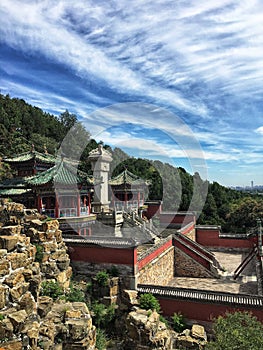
(32, 251)
(146, 331)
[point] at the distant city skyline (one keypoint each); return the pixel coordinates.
(196, 65)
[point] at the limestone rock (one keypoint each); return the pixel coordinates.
(4, 267)
(198, 332)
(10, 230)
(3, 294)
(8, 242)
(195, 338)
(146, 331)
(18, 318)
(18, 260)
(6, 328)
(17, 291)
(15, 278)
(12, 345)
(27, 303)
(44, 305)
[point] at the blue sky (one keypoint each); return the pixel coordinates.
(179, 81)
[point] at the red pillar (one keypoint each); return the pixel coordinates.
(56, 207)
(39, 203)
(138, 195)
(78, 205)
(89, 203)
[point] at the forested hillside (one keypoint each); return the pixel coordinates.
(22, 125)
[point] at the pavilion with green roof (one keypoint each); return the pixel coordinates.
(54, 186)
(127, 191)
(30, 163)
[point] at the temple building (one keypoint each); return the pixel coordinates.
(55, 187)
(127, 191)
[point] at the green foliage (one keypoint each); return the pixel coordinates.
(148, 301)
(39, 253)
(102, 278)
(178, 322)
(75, 295)
(164, 320)
(51, 289)
(237, 331)
(113, 271)
(101, 339)
(99, 313)
(102, 315)
(243, 214)
(2, 317)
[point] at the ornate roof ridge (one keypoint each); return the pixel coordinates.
(25, 156)
(62, 172)
(127, 177)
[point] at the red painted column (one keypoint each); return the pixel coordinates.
(78, 205)
(89, 203)
(56, 207)
(39, 203)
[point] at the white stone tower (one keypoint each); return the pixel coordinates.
(100, 162)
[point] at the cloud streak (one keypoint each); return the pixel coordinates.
(201, 61)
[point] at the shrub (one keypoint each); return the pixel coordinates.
(51, 289)
(102, 278)
(75, 294)
(148, 301)
(39, 253)
(2, 317)
(178, 322)
(102, 315)
(101, 339)
(113, 271)
(164, 320)
(99, 313)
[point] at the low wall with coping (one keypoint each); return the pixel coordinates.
(210, 236)
(200, 305)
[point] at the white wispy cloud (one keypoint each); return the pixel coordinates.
(202, 60)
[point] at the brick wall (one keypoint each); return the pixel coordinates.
(160, 270)
(185, 266)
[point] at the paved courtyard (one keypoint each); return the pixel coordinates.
(245, 284)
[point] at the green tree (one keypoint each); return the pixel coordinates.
(244, 213)
(237, 331)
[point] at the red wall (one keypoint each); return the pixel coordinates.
(202, 311)
(102, 255)
(176, 218)
(152, 209)
(210, 238)
(192, 254)
(154, 254)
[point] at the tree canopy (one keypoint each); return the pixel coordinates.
(237, 331)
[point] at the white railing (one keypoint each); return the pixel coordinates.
(83, 211)
(67, 212)
(49, 212)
